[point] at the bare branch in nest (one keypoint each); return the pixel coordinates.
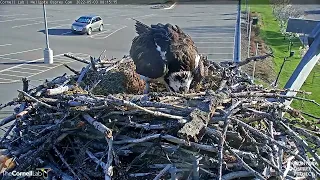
(99, 126)
(155, 113)
(65, 162)
(245, 165)
(36, 100)
(76, 58)
(162, 172)
(254, 58)
(96, 160)
(237, 174)
(71, 69)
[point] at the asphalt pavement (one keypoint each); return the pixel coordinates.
(22, 38)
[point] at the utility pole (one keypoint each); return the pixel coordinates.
(47, 52)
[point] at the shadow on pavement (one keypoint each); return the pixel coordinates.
(228, 14)
(59, 32)
(209, 29)
(23, 62)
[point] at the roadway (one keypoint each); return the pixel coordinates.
(22, 37)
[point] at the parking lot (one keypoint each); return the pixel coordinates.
(22, 37)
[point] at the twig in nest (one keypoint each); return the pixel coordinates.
(65, 162)
(314, 139)
(96, 160)
(109, 137)
(76, 58)
(255, 58)
(162, 172)
(288, 167)
(71, 69)
(223, 137)
(236, 175)
(36, 100)
(195, 168)
(301, 141)
(109, 167)
(245, 165)
(99, 126)
(155, 113)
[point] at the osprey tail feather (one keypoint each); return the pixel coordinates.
(141, 28)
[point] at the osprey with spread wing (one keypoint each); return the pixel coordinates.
(166, 54)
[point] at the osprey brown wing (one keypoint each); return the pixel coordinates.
(183, 50)
(146, 58)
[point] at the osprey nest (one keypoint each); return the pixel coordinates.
(97, 124)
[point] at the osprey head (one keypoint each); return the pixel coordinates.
(180, 81)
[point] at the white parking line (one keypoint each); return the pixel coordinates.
(34, 72)
(39, 23)
(12, 59)
(12, 75)
(62, 59)
(110, 33)
(5, 80)
(103, 32)
(37, 65)
(214, 37)
(20, 19)
(9, 15)
(119, 16)
(26, 63)
(45, 70)
(216, 47)
(218, 53)
(83, 54)
(2, 45)
(142, 17)
(26, 68)
(223, 59)
(208, 42)
(20, 52)
(20, 72)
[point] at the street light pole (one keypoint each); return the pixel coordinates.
(47, 52)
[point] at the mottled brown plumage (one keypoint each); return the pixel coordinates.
(167, 54)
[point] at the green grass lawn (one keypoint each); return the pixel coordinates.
(270, 33)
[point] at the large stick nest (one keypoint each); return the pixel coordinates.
(97, 124)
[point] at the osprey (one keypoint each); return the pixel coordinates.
(164, 53)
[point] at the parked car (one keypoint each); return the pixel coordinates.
(87, 24)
